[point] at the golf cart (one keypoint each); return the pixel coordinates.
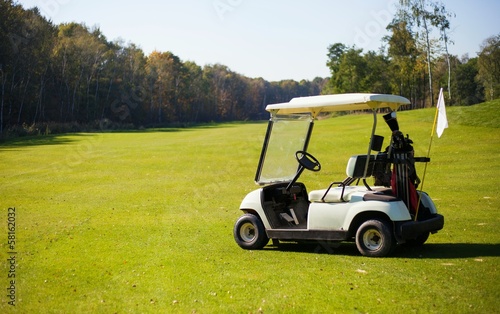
(376, 216)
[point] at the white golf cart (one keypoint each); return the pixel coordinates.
(376, 217)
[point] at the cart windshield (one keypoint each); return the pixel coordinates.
(285, 135)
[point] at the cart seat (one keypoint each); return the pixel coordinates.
(355, 170)
(334, 195)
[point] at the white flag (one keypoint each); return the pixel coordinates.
(442, 121)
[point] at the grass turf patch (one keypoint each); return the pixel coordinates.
(142, 222)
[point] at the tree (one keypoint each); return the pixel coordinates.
(403, 54)
(124, 77)
(80, 55)
(421, 17)
(348, 69)
(469, 90)
(195, 95)
(377, 78)
(10, 21)
(255, 98)
(489, 67)
(71, 73)
(426, 14)
(440, 19)
(25, 57)
(217, 76)
(163, 72)
(335, 53)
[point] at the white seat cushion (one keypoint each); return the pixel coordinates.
(334, 195)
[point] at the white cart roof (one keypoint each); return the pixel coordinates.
(339, 102)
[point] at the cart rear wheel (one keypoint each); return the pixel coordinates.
(374, 238)
(249, 232)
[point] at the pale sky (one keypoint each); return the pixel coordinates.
(275, 40)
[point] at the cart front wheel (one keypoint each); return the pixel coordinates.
(374, 238)
(249, 232)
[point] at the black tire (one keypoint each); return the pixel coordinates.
(374, 238)
(418, 241)
(249, 232)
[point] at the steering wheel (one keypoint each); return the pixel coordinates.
(307, 161)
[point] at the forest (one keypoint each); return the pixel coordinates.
(70, 77)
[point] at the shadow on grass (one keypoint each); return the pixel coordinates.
(429, 250)
(60, 139)
(40, 140)
(449, 250)
(191, 127)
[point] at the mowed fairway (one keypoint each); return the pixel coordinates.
(142, 222)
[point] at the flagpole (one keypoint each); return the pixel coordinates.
(428, 156)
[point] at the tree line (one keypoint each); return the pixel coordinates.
(414, 64)
(72, 75)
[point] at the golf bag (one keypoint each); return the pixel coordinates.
(404, 179)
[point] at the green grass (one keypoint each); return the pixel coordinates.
(142, 222)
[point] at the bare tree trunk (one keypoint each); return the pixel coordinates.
(160, 103)
(77, 85)
(87, 96)
(96, 97)
(23, 98)
(428, 43)
(445, 39)
(107, 102)
(40, 97)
